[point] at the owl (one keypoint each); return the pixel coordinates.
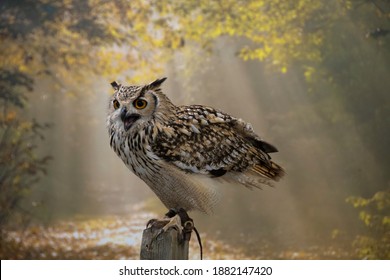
(177, 150)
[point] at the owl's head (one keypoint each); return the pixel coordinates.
(132, 106)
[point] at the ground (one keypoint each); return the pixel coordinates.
(119, 237)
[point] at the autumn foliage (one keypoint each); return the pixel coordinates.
(69, 43)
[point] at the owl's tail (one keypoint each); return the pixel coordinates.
(258, 175)
(270, 170)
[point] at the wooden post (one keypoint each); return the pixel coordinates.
(167, 245)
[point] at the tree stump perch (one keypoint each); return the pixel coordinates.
(167, 245)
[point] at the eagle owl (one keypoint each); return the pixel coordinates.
(173, 148)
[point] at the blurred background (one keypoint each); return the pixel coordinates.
(312, 77)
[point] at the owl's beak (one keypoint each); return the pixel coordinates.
(128, 119)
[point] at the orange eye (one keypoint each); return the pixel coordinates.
(140, 103)
(116, 104)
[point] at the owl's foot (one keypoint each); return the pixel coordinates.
(177, 219)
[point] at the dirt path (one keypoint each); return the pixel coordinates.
(112, 237)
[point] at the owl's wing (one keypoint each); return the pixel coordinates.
(246, 131)
(206, 141)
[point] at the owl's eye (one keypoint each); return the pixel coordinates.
(140, 103)
(116, 104)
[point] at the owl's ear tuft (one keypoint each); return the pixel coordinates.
(115, 85)
(156, 84)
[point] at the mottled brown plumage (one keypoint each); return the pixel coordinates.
(173, 148)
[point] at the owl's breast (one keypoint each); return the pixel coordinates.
(135, 151)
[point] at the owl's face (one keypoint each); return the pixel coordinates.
(132, 106)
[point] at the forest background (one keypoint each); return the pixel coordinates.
(311, 76)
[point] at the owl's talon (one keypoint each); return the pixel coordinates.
(150, 223)
(174, 222)
(164, 224)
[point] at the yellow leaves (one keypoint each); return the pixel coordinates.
(380, 200)
(374, 215)
(145, 72)
(273, 28)
(357, 201)
(317, 39)
(386, 221)
(12, 56)
(371, 248)
(276, 28)
(365, 217)
(66, 34)
(259, 53)
(309, 71)
(176, 42)
(111, 61)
